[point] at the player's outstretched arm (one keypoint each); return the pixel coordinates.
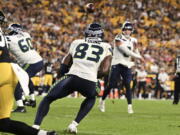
(126, 50)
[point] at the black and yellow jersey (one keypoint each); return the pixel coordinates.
(48, 68)
(4, 52)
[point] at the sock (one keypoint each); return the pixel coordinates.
(23, 97)
(75, 123)
(36, 126)
(20, 103)
(42, 132)
(149, 96)
(32, 97)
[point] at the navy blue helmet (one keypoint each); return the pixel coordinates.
(127, 26)
(15, 28)
(94, 30)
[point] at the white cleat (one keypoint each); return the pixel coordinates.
(130, 110)
(72, 128)
(101, 105)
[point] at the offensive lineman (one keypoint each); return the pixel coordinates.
(89, 57)
(121, 64)
(20, 45)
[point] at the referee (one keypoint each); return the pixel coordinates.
(177, 80)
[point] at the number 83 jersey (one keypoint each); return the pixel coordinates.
(87, 57)
(20, 45)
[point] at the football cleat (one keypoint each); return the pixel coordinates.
(130, 110)
(175, 102)
(20, 109)
(101, 105)
(31, 103)
(72, 128)
(51, 133)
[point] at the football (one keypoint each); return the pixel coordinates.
(90, 7)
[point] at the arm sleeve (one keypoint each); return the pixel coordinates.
(125, 50)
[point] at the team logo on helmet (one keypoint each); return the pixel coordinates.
(15, 27)
(127, 26)
(94, 30)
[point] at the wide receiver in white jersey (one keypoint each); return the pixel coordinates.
(89, 57)
(121, 64)
(20, 45)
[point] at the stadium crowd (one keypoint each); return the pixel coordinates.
(54, 24)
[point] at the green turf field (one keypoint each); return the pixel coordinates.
(150, 118)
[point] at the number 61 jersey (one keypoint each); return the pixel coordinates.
(20, 45)
(87, 57)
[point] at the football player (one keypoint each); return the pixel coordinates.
(89, 57)
(121, 64)
(8, 81)
(20, 45)
(177, 80)
(48, 77)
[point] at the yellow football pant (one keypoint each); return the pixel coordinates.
(8, 81)
(36, 80)
(48, 79)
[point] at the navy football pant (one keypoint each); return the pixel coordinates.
(63, 87)
(116, 72)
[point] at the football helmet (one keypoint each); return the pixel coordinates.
(127, 26)
(94, 30)
(15, 28)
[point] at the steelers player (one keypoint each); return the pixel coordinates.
(8, 82)
(48, 77)
(177, 80)
(122, 63)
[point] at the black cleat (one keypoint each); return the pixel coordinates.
(24, 101)
(20, 109)
(52, 133)
(175, 102)
(31, 103)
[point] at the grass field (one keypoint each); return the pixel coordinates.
(152, 117)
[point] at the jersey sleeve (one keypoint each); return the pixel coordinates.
(109, 50)
(134, 40)
(72, 46)
(127, 51)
